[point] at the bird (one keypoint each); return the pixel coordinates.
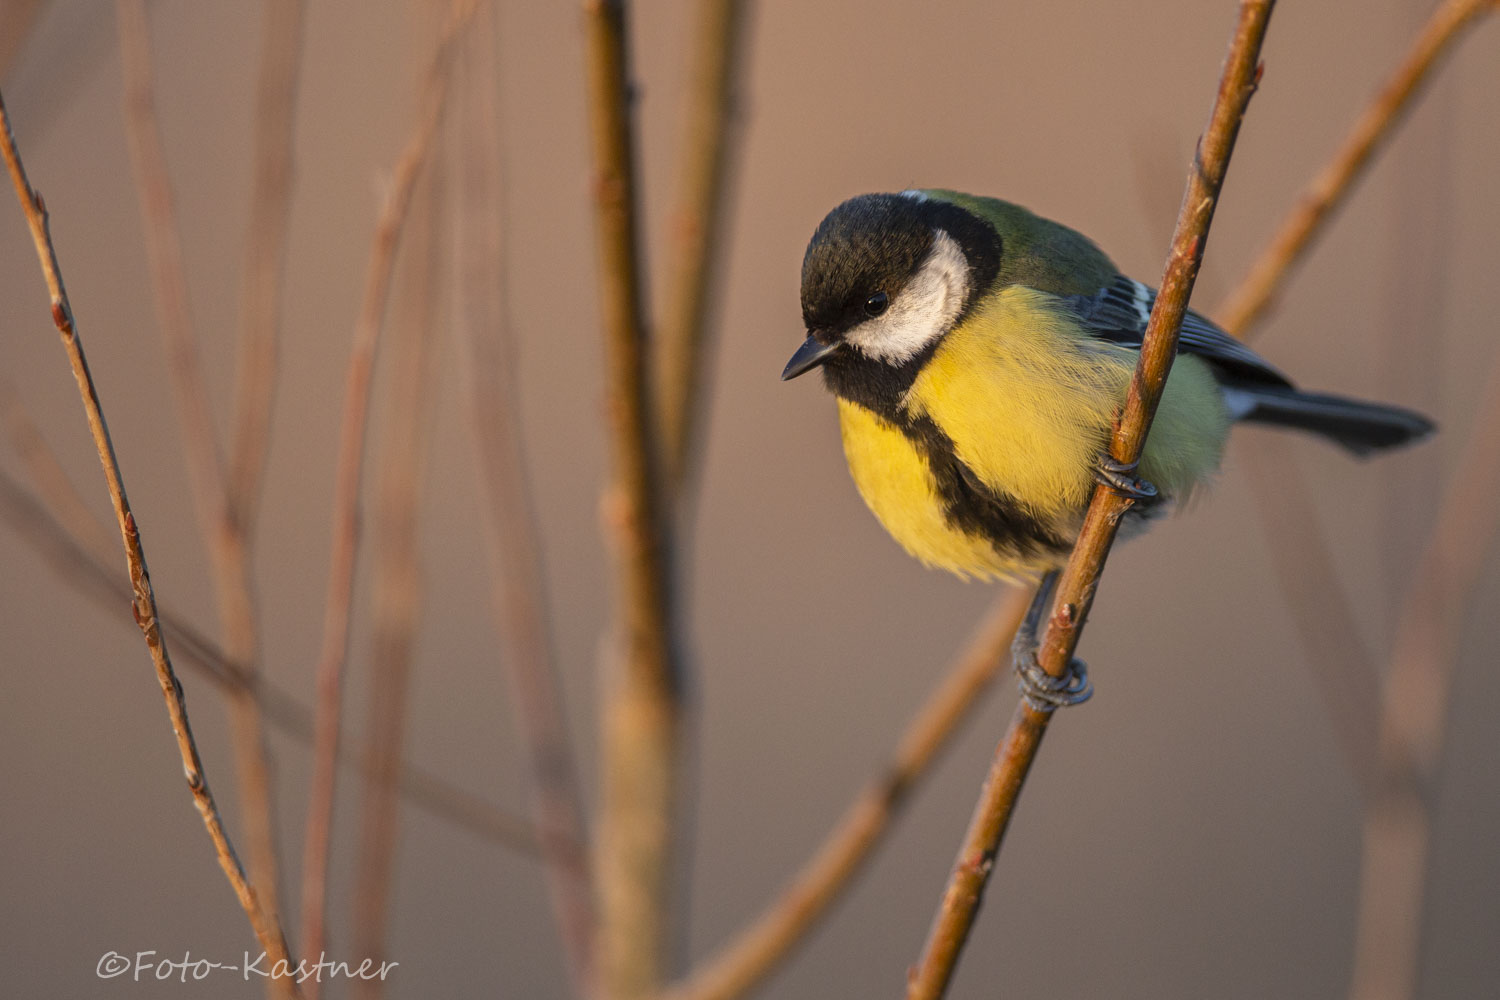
(980, 356)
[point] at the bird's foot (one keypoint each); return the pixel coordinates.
(1120, 477)
(1041, 690)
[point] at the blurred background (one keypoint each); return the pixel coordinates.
(1192, 831)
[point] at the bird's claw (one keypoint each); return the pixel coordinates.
(1044, 692)
(1120, 477)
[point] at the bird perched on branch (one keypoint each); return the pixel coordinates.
(981, 355)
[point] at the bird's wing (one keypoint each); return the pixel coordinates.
(1119, 311)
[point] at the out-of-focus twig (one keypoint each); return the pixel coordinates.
(755, 952)
(1333, 183)
(1398, 819)
(976, 858)
(1345, 673)
(50, 480)
(641, 725)
(697, 228)
(517, 572)
(263, 920)
(223, 533)
(265, 258)
(396, 604)
(347, 475)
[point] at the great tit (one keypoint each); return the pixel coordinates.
(980, 355)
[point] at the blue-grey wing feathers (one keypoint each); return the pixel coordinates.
(1254, 391)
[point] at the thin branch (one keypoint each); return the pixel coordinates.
(265, 257)
(756, 951)
(642, 724)
(976, 858)
(223, 535)
(1332, 185)
(517, 571)
(396, 604)
(1417, 697)
(697, 226)
(262, 920)
(347, 475)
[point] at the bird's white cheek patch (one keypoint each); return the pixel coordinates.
(924, 310)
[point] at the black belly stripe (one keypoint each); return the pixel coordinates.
(973, 506)
(969, 504)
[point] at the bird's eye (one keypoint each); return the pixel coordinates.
(876, 304)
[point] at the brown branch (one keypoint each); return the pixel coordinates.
(697, 226)
(347, 474)
(396, 605)
(641, 725)
(1332, 185)
(1398, 820)
(1002, 787)
(223, 534)
(265, 258)
(756, 951)
(262, 920)
(517, 571)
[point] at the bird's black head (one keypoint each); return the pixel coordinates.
(886, 275)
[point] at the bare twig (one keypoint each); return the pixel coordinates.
(1333, 183)
(517, 571)
(697, 224)
(396, 605)
(223, 533)
(1018, 749)
(1398, 819)
(756, 951)
(642, 724)
(265, 258)
(347, 475)
(262, 920)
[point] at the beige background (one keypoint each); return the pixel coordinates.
(1192, 832)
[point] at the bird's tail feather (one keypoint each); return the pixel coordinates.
(1360, 427)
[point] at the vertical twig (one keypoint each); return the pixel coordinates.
(265, 258)
(1333, 183)
(222, 532)
(143, 605)
(754, 953)
(396, 604)
(642, 722)
(1398, 819)
(1346, 675)
(697, 226)
(960, 904)
(517, 572)
(347, 475)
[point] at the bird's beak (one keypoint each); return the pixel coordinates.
(810, 355)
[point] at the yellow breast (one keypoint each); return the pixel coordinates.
(1028, 402)
(897, 485)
